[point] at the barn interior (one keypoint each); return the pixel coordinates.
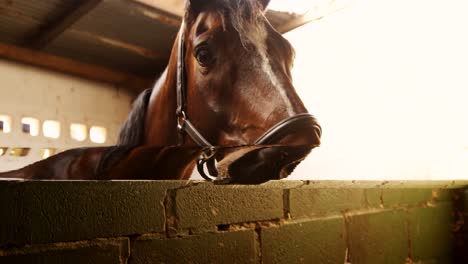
(126, 43)
(389, 185)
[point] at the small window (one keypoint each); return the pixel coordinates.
(78, 132)
(47, 152)
(30, 126)
(5, 124)
(51, 129)
(98, 134)
(3, 151)
(19, 152)
(26, 128)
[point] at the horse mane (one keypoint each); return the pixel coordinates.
(132, 131)
(131, 134)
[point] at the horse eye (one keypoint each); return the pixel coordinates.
(204, 56)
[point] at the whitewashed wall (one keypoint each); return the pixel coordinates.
(27, 91)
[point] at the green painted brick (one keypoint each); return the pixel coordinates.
(389, 197)
(386, 184)
(99, 252)
(283, 184)
(438, 261)
(230, 247)
(374, 197)
(377, 237)
(431, 231)
(319, 202)
(392, 197)
(465, 200)
(209, 205)
(316, 241)
(48, 211)
(442, 195)
(427, 261)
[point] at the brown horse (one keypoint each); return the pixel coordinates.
(244, 165)
(228, 83)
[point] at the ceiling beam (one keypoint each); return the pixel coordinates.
(159, 11)
(174, 7)
(64, 65)
(51, 32)
(137, 50)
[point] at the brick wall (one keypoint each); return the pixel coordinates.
(197, 222)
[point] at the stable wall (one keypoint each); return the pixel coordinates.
(198, 222)
(28, 91)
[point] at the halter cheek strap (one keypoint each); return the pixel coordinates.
(184, 126)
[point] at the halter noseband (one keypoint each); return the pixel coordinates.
(184, 126)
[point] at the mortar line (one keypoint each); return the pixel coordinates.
(126, 259)
(286, 204)
(39, 247)
(408, 234)
(258, 243)
(347, 238)
(165, 209)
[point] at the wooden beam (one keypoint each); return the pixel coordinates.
(174, 7)
(160, 16)
(137, 50)
(43, 38)
(88, 71)
(162, 11)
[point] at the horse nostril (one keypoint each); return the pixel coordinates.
(310, 136)
(316, 137)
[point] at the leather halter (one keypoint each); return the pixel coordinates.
(184, 126)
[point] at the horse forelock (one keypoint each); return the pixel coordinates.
(244, 16)
(247, 18)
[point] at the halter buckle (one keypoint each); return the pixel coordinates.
(207, 158)
(208, 153)
(181, 117)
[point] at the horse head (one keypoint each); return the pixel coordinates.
(229, 74)
(238, 68)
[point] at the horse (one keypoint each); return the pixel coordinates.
(228, 83)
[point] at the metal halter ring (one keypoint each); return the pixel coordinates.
(208, 158)
(181, 117)
(208, 153)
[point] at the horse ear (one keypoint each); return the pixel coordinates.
(264, 3)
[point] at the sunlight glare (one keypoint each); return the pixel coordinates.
(98, 134)
(6, 124)
(78, 132)
(33, 125)
(388, 82)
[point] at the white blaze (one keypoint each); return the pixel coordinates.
(271, 75)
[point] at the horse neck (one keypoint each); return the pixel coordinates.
(161, 123)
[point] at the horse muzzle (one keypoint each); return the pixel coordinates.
(259, 164)
(277, 152)
(301, 129)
